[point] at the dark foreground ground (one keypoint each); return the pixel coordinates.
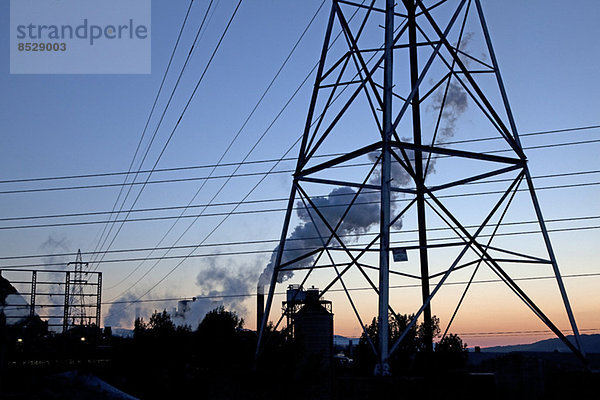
(499, 376)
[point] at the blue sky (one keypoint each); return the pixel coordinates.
(56, 125)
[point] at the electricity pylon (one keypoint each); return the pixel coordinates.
(76, 312)
(402, 91)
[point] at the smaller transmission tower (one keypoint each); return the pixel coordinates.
(75, 312)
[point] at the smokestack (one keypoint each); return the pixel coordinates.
(260, 306)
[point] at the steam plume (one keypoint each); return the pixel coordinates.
(363, 215)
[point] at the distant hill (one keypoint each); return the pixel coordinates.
(590, 343)
(339, 340)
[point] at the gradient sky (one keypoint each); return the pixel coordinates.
(55, 125)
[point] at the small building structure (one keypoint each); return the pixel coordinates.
(310, 320)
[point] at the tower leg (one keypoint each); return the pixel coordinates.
(419, 175)
(382, 368)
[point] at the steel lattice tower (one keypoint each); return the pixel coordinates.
(76, 311)
(391, 64)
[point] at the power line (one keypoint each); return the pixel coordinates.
(271, 210)
(250, 174)
(228, 179)
(185, 108)
(226, 151)
(250, 252)
(265, 161)
(406, 286)
(242, 295)
(91, 213)
(164, 78)
(267, 241)
(101, 242)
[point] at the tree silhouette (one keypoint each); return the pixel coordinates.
(412, 345)
(221, 340)
(451, 344)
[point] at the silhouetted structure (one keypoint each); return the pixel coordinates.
(397, 61)
(63, 298)
(311, 322)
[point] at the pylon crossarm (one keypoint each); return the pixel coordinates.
(285, 266)
(340, 159)
(519, 254)
(353, 184)
(475, 178)
(380, 10)
(459, 153)
(490, 69)
(439, 3)
(363, 265)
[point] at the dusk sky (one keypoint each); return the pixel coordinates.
(64, 125)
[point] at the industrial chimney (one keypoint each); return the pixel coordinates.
(260, 306)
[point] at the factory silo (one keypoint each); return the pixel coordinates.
(312, 323)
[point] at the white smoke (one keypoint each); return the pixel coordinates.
(455, 104)
(121, 312)
(220, 284)
(363, 215)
